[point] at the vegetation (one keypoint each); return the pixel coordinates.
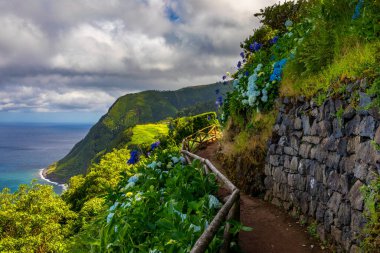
(371, 234)
(112, 129)
(164, 207)
(34, 219)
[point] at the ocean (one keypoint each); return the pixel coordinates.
(26, 148)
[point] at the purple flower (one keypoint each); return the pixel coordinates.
(239, 65)
(224, 77)
(134, 157)
(155, 145)
(255, 46)
(247, 73)
(242, 55)
(274, 40)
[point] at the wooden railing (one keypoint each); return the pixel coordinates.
(229, 211)
(201, 138)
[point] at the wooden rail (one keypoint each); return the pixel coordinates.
(230, 209)
(201, 138)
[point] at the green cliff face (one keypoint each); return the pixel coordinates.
(127, 111)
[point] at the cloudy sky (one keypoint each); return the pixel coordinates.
(75, 57)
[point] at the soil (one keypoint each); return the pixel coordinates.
(274, 231)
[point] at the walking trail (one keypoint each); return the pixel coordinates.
(274, 231)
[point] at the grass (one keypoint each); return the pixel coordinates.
(148, 133)
(355, 61)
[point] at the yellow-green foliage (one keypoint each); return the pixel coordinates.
(34, 219)
(355, 61)
(101, 178)
(371, 233)
(148, 133)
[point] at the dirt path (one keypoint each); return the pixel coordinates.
(274, 231)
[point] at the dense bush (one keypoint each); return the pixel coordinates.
(34, 219)
(164, 207)
(182, 127)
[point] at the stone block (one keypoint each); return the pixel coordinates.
(333, 160)
(305, 150)
(295, 143)
(312, 207)
(287, 160)
(333, 180)
(306, 124)
(355, 196)
(349, 112)
(268, 183)
(315, 129)
(367, 127)
(364, 102)
(336, 233)
(344, 215)
(353, 144)
(297, 124)
(367, 153)
(290, 151)
(342, 147)
(352, 126)
(358, 222)
(321, 232)
(328, 220)
(320, 214)
(294, 164)
(377, 136)
(337, 128)
(334, 202)
(325, 128)
(319, 172)
(346, 238)
(313, 152)
(304, 201)
(268, 170)
(372, 175)
(276, 160)
(303, 166)
(311, 139)
(360, 170)
(279, 175)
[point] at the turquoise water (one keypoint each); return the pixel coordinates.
(27, 148)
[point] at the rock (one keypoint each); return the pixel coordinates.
(372, 175)
(328, 220)
(355, 196)
(353, 144)
(336, 234)
(320, 214)
(313, 152)
(315, 129)
(334, 202)
(349, 112)
(352, 126)
(364, 103)
(267, 170)
(305, 150)
(333, 180)
(312, 208)
(333, 160)
(303, 166)
(304, 202)
(347, 164)
(337, 128)
(342, 147)
(377, 136)
(283, 141)
(306, 124)
(358, 222)
(343, 184)
(276, 160)
(321, 155)
(367, 127)
(311, 139)
(344, 215)
(287, 161)
(346, 238)
(268, 183)
(280, 176)
(321, 232)
(290, 151)
(325, 128)
(319, 172)
(297, 124)
(361, 171)
(367, 153)
(330, 143)
(294, 164)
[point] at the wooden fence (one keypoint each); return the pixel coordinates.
(201, 138)
(231, 207)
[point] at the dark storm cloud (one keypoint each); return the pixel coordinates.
(82, 55)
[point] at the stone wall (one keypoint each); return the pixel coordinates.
(319, 157)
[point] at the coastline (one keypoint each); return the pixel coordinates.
(43, 177)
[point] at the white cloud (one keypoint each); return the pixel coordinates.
(60, 55)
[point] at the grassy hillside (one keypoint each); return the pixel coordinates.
(112, 129)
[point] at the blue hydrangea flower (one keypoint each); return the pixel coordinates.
(288, 23)
(213, 202)
(155, 145)
(242, 55)
(235, 84)
(247, 73)
(255, 46)
(133, 179)
(134, 157)
(274, 40)
(239, 65)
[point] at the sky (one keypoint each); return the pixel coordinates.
(69, 60)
